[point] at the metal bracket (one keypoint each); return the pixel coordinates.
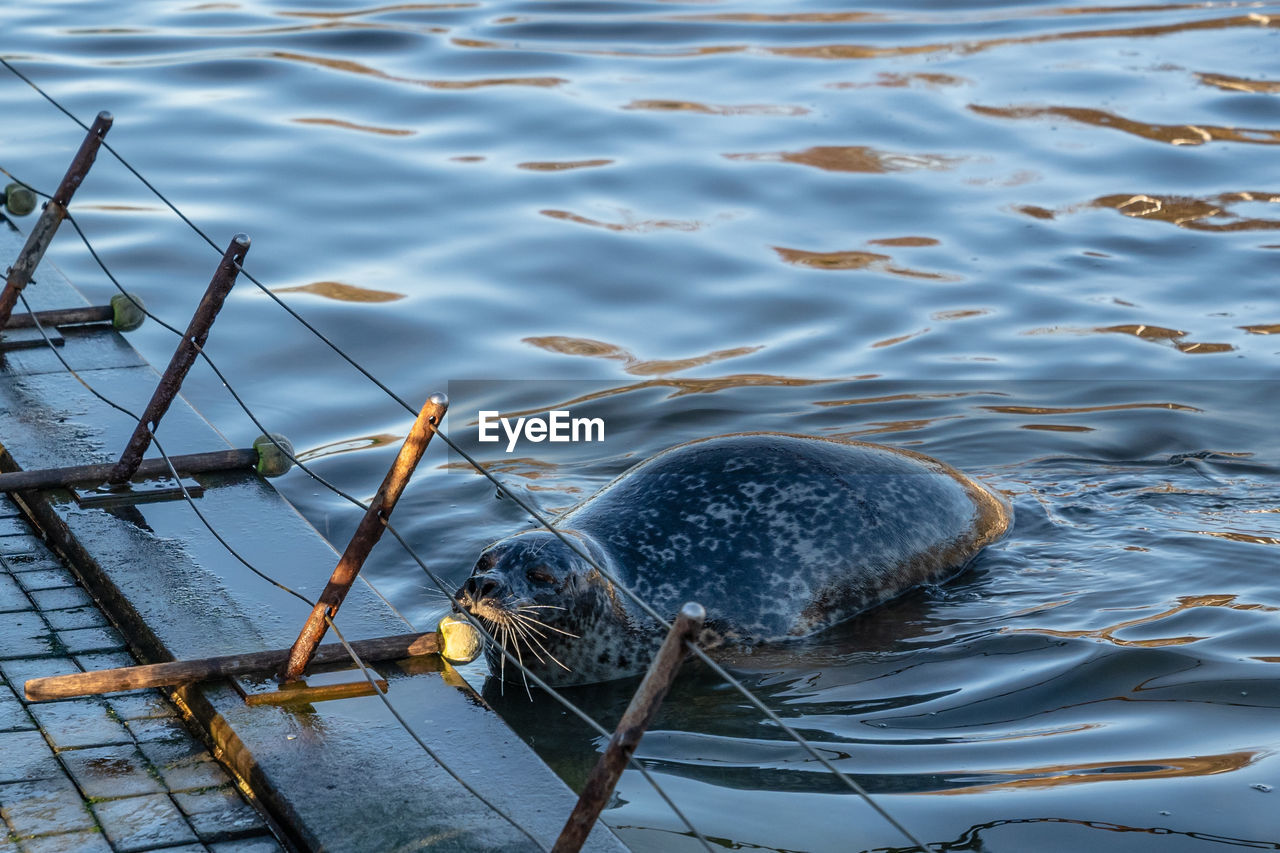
(29, 338)
(318, 687)
(138, 492)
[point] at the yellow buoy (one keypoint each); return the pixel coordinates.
(460, 642)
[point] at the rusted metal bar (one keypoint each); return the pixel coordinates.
(366, 536)
(55, 210)
(626, 737)
(190, 671)
(62, 317)
(183, 357)
(299, 693)
(185, 464)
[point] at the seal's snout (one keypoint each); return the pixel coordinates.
(479, 588)
(481, 596)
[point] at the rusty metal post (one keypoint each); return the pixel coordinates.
(183, 357)
(366, 536)
(186, 464)
(51, 217)
(640, 713)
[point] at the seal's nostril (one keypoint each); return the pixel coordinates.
(487, 586)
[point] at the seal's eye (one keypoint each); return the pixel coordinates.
(540, 576)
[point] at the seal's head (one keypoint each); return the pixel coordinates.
(554, 612)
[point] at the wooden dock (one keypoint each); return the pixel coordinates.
(340, 775)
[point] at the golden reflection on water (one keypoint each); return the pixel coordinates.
(1191, 212)
(790, 18)
(341, 292)
(866, 51)
(561, 165)
(349, 445)
(882, 427)
(635, 226)
(378, 10)
(1072, 410)
(717, 109)
(894, 80)
(1173, 134)
(1240, 84)
(888, 342)
(971, 46)
(1185, 602)
(1053, 775)
(525, 467)
(635, 366)
(347, 125)
(851, 158)
(682, 387)
(349, 67)
(855, 260)
(894, 398)
(1234, 536)
(1144, 331)
(958, 313)
(1263, 329)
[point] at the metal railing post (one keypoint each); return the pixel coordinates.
(640, 713)
(55, 210)
(183, 357)
(366, 536)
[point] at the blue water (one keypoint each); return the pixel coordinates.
(1036, 241)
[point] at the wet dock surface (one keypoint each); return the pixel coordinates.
(114, 773)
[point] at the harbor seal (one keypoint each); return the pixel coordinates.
(779, 536)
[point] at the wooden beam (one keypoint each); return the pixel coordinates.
(189, 671)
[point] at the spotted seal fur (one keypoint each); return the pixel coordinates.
(777, 535)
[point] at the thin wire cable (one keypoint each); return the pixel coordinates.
(23, 183)
(383, 696)
(698, 652)
(440, 584)
(355, 657)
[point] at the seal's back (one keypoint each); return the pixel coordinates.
(782, 535)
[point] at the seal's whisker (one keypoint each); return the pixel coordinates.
(538, 648)
(523, 669)
(535, 623)
(525, 633)
(533, 620)
(522, 632)
(502, 635)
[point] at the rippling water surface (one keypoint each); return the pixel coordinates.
(1038, 241)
